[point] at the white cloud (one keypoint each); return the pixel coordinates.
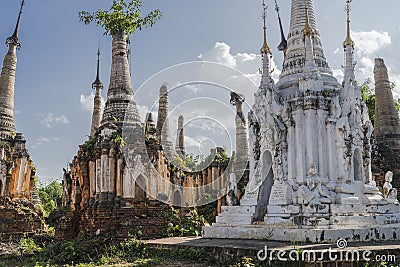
(51, 120)
(192, 142)
(372, 44)
(221, 53)
(338, 74)
(45, 140)
(204, 100)
(245, 57)
(86, 102)
(143, 110)
(367, 48)
(247, 63)
(191, 87)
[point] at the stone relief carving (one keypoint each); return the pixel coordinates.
(314, 193)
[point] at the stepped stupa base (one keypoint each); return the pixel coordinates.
(309, 223)
(281, 233)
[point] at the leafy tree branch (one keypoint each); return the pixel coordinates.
(121, 18)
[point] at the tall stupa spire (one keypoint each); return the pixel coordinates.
(163, 132)
(242, 146)
(14, 39)
(348, 44)
(97, 82)
(265, 48)
(265, 53)
(7, 83)
(120, 92)
(303, 22)
(97, 85)
(348, 41)
(180, 138)
(283, 44)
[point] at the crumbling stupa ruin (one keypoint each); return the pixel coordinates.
(19, 200)
(121, 179)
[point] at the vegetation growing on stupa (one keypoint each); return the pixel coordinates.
(122, 17)
(368, 95)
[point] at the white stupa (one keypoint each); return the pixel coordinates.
(310, 152)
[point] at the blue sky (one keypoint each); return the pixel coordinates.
(57, 62)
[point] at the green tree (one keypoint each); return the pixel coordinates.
(50, 196)
(368, 95)
(121, 18)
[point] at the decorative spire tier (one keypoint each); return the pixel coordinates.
(303, 22)
(97, 85)
(308, 33)
(7, 83)
(120, 93)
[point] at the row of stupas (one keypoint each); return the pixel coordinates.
(129, 171)
(122, 174)
(310, 154)
(310, 149)
(17, 171)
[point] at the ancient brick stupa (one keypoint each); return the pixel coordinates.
(122, 178)
(310, 152)
(17, 172)
(386, 126)
(100, 191)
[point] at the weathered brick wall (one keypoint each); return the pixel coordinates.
(17, 218)
(145, 219)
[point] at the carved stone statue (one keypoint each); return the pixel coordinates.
(389, 192)
(67, 188)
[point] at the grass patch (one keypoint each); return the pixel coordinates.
(88, 251)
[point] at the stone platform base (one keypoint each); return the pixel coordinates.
(268, 232)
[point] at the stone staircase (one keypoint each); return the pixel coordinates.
(237, 215)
